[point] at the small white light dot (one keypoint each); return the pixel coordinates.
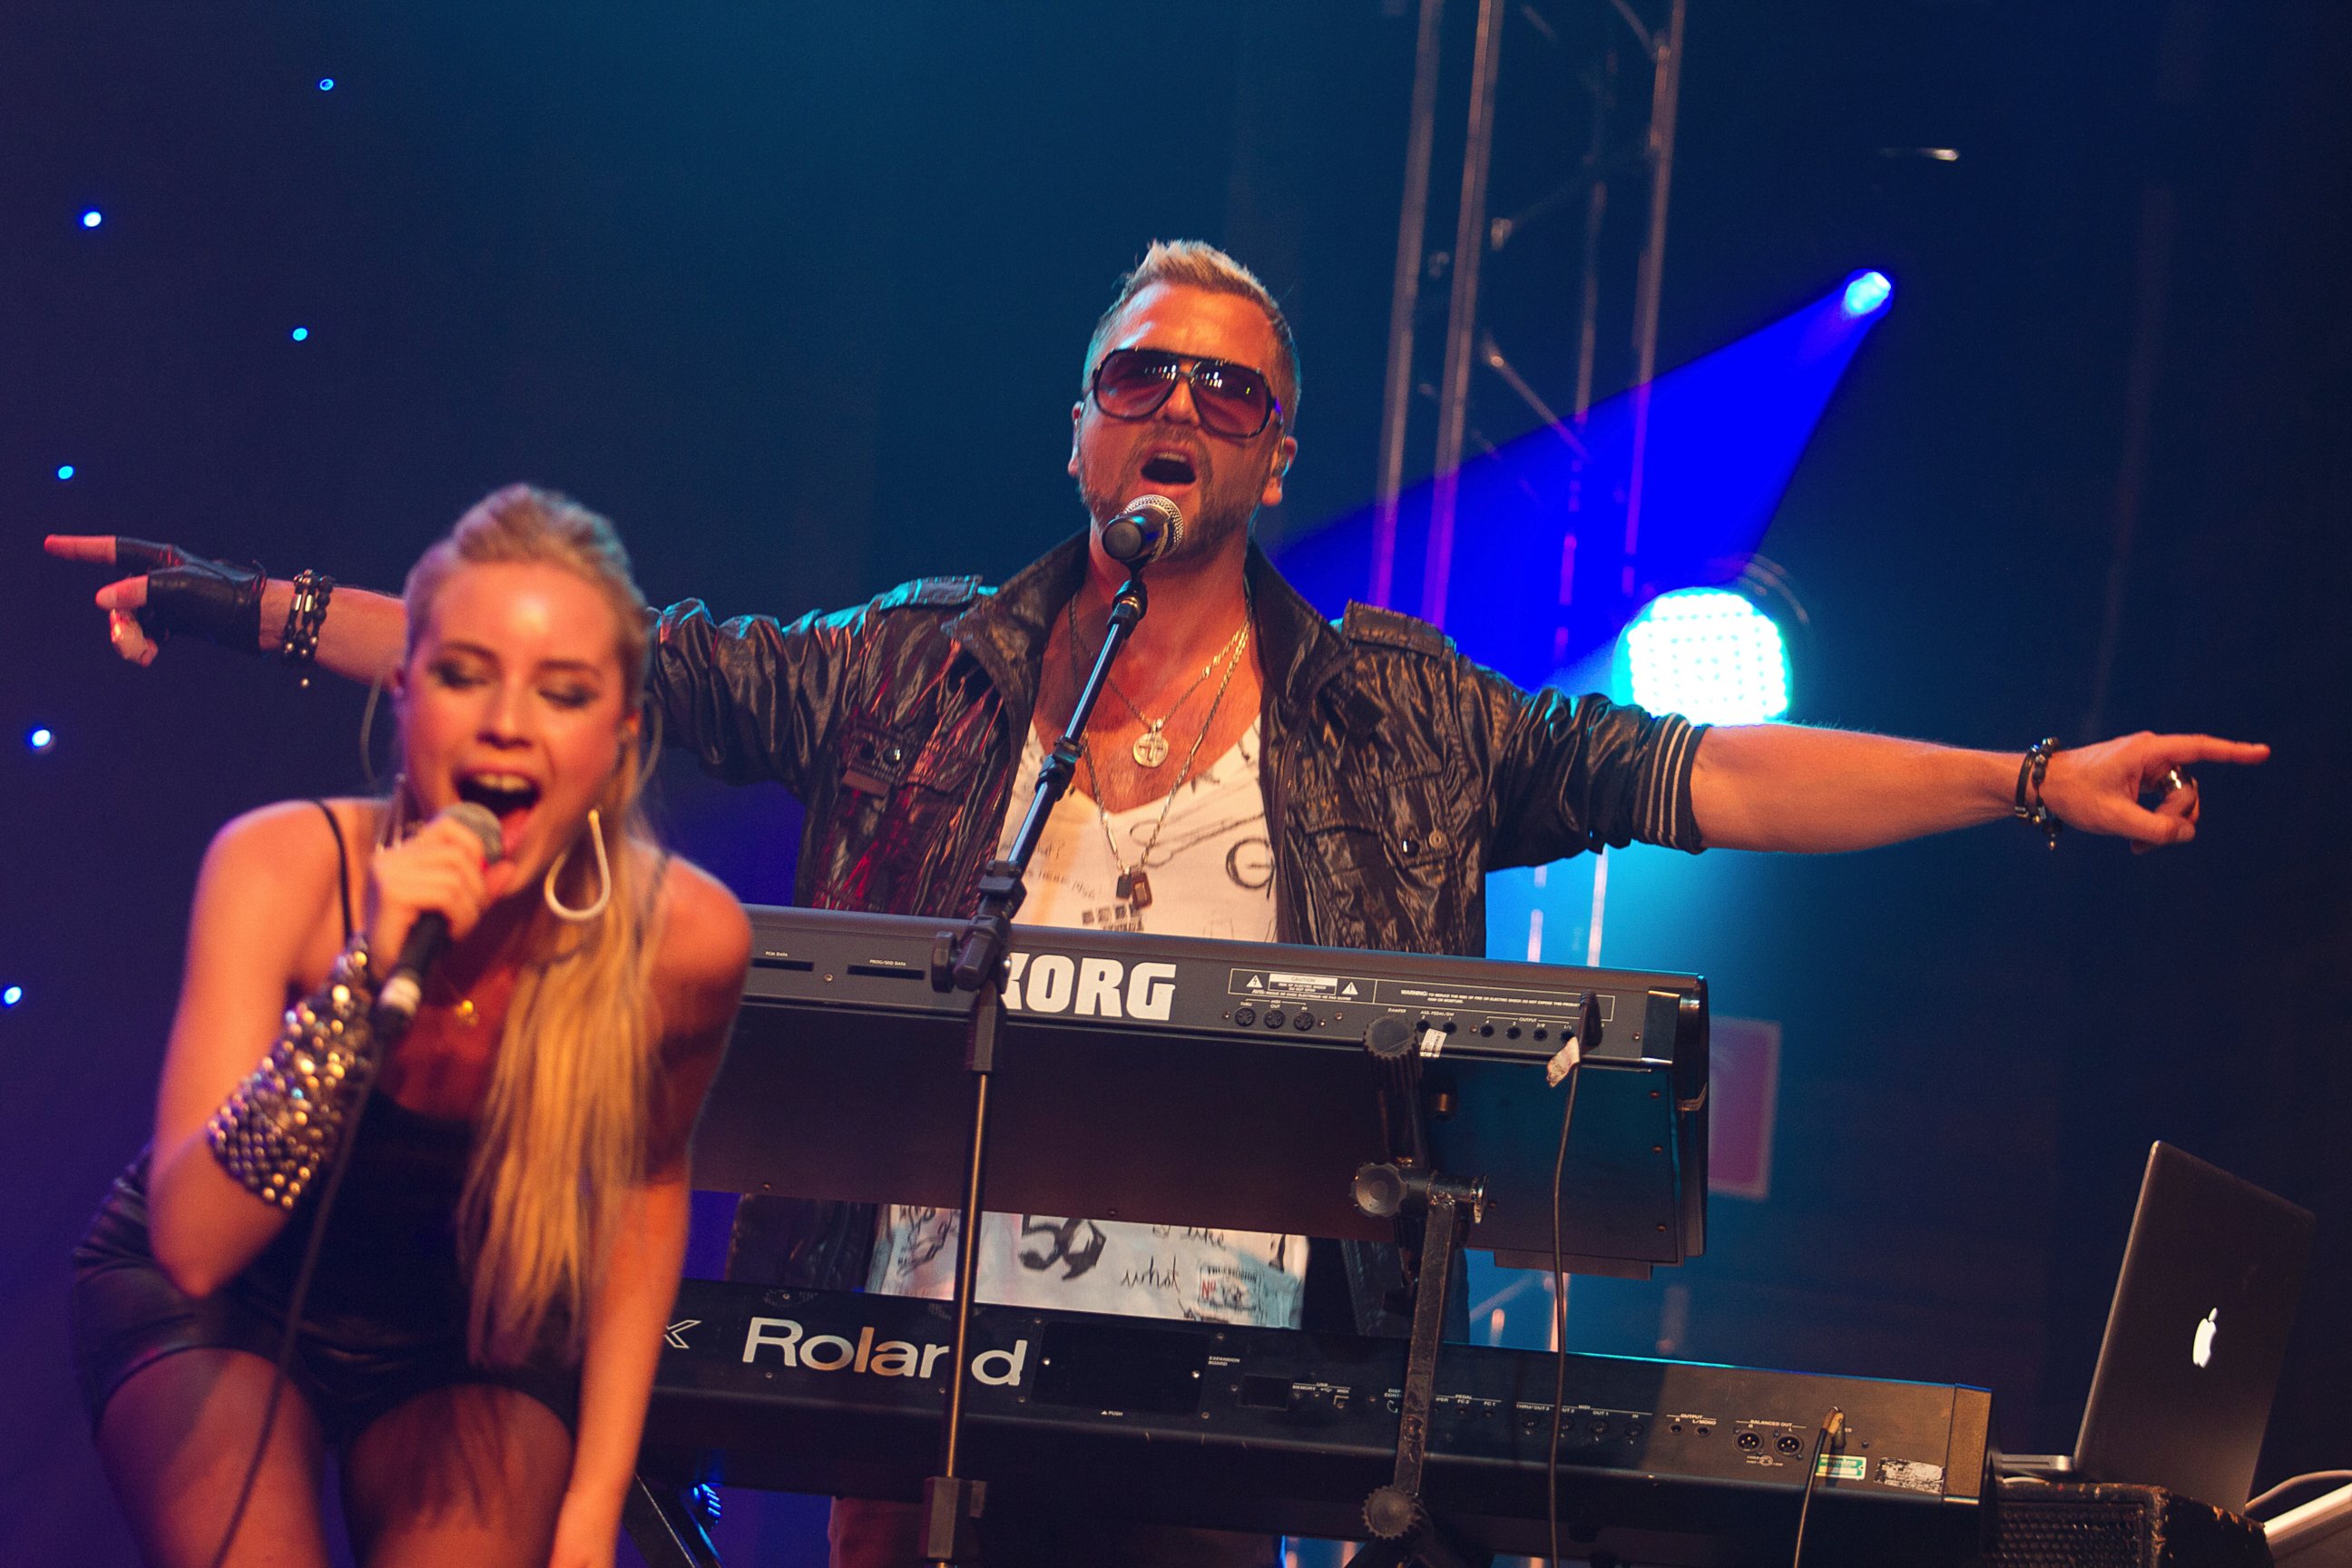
(11, 996)
(92, 219)
(41, 738)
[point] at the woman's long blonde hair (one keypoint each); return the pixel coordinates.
(560, 1142)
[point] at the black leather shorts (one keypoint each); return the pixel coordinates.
(351, 1363)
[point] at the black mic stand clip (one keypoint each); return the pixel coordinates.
(972, 960)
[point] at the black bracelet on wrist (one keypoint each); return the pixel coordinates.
(2030, 807)
(306, 616)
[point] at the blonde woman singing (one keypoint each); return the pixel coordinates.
(508, 1188)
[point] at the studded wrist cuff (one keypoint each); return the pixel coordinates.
(279, 1128)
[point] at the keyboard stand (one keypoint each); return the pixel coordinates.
(1401, 1529)
(1427, 1207)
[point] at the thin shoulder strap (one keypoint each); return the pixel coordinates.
(342, 867)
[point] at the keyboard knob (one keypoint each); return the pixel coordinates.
(1390, 1514)
(1389, 1037)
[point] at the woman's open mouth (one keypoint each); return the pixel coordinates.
(509, 798)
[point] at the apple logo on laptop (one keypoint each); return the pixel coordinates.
(2200, 1349)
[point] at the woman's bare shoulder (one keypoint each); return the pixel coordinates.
(268, 888)
(706, 938)
(285, 842)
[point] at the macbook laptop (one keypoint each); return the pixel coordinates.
(2194, 1339)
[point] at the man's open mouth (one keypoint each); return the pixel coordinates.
(1168, 468)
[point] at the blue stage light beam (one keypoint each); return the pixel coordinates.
(300, 334)
(1538, 530)
(65, 471)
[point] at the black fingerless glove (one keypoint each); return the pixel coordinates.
(213, 599)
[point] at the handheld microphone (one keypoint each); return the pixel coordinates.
(1148, 529)
(403, 989)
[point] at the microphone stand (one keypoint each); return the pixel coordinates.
(972, 960)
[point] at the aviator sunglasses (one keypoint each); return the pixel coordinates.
(1231, 399)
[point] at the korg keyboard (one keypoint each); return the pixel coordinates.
(1177, 1080)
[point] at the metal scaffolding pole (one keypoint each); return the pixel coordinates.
(1404, 300)
(1470, 243)
(1610, 152)
(1467, 341)
(1667, 66)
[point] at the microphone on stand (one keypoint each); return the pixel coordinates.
(403, 988)
(1148, 529)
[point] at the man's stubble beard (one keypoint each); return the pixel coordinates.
(1208, 528)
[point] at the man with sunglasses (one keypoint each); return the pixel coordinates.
(1256, 772)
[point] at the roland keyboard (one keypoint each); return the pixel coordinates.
(1660, 1462)
(1179, 1081)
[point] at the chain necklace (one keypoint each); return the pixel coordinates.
(1150, 749)
(1134, 885)
(462, 1008)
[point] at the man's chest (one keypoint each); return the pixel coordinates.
(1197, 862)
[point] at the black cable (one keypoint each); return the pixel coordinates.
(1833, 1427)
(1558, 1317)
(289, 1334)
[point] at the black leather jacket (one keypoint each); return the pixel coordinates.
(1397, 773)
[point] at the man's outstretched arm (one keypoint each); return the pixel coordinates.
(754, 698)
(1783, 786)
(362, 638)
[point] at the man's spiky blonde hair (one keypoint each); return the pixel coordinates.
(1196, 264)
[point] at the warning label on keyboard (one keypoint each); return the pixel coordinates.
(1283, 986)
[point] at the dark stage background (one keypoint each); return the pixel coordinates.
(799, 296)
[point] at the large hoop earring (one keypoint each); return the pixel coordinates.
(367, 731)
(649, 745)
(556, 906)
(393, 827)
